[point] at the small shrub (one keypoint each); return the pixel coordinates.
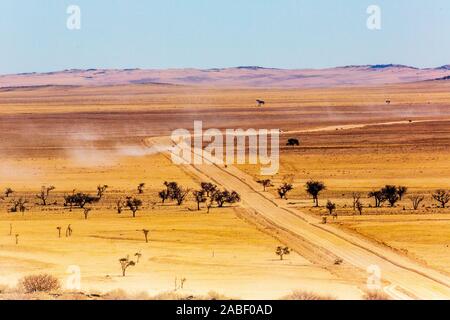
(375, 295)
(40, 283)
(304, 295)
(213, 295)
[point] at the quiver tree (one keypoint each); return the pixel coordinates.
(44, 194)
(441, 196)
(222, 197)
(69, 231)
(140, 188)
(416, 200)
(282, 251)
(200, 197)
(8, 191)
(125, 263)
(101, 189)
(145, 231)
(284, 189)
(314, 188)
(133, 204)
(208, 187)
(266, 183)
(86, 212)
(138, 256)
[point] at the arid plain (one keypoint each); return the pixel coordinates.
(75, 137)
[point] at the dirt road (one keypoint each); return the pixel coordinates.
(408, 279)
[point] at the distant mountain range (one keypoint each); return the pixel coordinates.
(246, 76)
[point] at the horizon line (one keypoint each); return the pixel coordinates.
(250, 67)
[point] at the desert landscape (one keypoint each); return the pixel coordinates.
(66, 136)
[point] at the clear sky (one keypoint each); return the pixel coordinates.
(221, 33)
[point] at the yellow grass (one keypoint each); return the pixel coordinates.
(77, 139)
(217, 251)
(424, 237)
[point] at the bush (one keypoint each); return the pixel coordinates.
(304, 295)
(39, 283)
(375, 295)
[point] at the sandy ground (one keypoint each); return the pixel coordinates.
(80, 137)
(423, 237)
(218, 252)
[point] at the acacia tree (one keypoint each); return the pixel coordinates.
(284, 189)
(125, 263)
(441, 196)
(359, 207)
(356, 197)
(401, 191)
(222, 197)
(101, 189)
(8, 192)
(416, 200)
(140, 188)
(133, 204)
(266, 183)
(79, 200)
(208, 187)
(331, 207)
(282, 251)
(200, 197)
(391, 194)
(180, 194)
(119, 206)
(19, 205)
(44, 194)
(174, 192)
(378, 196)
(314, 188)
(292, 142)
(164, 195)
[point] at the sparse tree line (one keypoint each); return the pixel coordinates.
(389, 194)
(208, 194)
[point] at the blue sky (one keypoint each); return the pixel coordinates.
(221, 33)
